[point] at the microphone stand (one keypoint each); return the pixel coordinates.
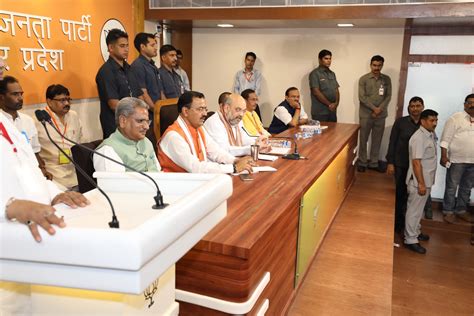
(295, 155)
(112, 224)
(159, 204)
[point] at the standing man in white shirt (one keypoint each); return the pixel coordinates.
(249, 77)
(58, 105)
(457, 155)
(11, 101)
(187, 147)
(227, 129)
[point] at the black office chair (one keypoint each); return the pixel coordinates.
(168, 114)
(209, 114)
(84, 159)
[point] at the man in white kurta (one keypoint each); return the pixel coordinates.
(187, 147)
(226, 127)
(26, 197)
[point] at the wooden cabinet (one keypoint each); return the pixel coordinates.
(265, 219)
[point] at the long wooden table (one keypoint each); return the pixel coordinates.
(274, 224)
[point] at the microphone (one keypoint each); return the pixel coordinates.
(159, 204)
(295, 155)
(43, 118)
(243, 128)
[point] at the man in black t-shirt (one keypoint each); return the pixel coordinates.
(115, 80)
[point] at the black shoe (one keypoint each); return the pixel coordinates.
(423, 237)
(378, 169)
(361, 168)
(416, 248)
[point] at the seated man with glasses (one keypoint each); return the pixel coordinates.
(187, 147)
(227, 130)
(58, 105)
(128, 143)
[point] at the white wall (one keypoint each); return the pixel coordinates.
(287, 56)
(428, 80)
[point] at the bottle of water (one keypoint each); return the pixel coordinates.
(317, 127)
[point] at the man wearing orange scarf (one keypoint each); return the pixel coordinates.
(227, 130)
(186, 147)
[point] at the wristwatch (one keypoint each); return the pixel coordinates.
(7, 205)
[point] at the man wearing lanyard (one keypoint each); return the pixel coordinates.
(11, 101)
(249, 78)
(67, 122)
(115, 80)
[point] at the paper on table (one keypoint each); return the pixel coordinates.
(312, 126)
(267, 157)
(258, 169)
(279, 150)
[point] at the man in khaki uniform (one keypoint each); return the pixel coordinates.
(375, 91)
(420, 178)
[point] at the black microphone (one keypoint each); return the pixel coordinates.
(159, 204)
(243, 128)
(295, 155)
(43, 118)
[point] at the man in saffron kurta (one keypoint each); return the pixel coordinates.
(186, 147)
(128, 143)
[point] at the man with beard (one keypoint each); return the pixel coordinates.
(457, 155)
(115, 80)
(187, 147)
(66, 121)
(128, 143)
(11, 101)
(227, 130)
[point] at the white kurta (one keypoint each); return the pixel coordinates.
(177, 149)
(21, 179)
(216, 129)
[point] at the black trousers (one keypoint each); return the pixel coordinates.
(401, 198)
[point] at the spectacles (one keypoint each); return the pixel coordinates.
(64, 100)
(143, 121)
(469, 102)
(200, 109)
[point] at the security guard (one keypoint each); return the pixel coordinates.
(420, 178)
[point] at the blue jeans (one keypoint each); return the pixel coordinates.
(462, 175)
